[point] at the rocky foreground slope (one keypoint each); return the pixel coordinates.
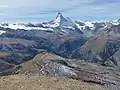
(49, 64)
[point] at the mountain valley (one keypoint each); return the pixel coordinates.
(62, 48)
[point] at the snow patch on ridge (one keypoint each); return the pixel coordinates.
(22, 26)
(2, 32)
(89, 24)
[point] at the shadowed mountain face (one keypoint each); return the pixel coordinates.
(90, 41)
(61, 38)
(61, 47)
(98, 50)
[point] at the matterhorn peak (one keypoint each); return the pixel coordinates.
(59, 15)
(60, 18)
(62, 21)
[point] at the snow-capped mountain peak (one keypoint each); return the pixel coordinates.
(65, 26)
(60, 19)
(64, 22)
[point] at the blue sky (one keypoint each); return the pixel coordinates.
(42, 10)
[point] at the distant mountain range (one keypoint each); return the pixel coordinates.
(67, 43)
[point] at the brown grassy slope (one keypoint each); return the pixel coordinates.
(53, 65)
(91, 49)
(22, 82)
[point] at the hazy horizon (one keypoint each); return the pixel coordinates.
(42, 10)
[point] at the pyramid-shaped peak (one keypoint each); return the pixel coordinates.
(63, 22)
(60, 18)
(59, 15)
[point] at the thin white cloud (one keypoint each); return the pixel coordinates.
(47, 9)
